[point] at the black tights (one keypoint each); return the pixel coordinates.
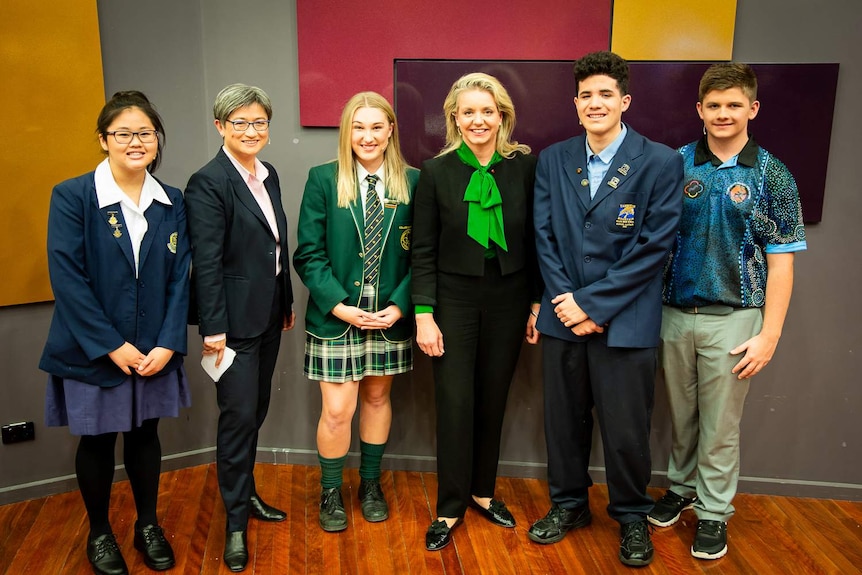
(94, 467)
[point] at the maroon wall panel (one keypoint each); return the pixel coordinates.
(346, 46)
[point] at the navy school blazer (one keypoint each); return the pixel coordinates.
(99, 303)
(609, 251)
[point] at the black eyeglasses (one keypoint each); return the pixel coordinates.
(125, 137)
(242, 125)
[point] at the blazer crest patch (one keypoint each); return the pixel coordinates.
(172, 243)
(626, 216)
(406, 232)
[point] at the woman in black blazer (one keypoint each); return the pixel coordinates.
(118, 256)
(244, 300)
(474, 277)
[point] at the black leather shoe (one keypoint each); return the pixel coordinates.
(158, 555)
(439, 535)
(372, 502)
(235, 551)
(497, 513)
(554, 526)
(636, 548)
(332, 515)
(105, 557)
(258, 509)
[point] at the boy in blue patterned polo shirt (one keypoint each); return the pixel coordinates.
(727, 287)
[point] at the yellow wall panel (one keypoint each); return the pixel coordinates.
(51, 69)
(673, 29)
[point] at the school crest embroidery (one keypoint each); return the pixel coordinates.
(693, 189)
(626, 216)
(405, 237)
(738, 192)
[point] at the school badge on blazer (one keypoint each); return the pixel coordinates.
(172, 243)
(626, 216)
(406, 232)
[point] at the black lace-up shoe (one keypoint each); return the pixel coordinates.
(667, 510)
(105, 557)
(332, 514)
(372, 502)
(554, 526)
(636, 548)
(710, 541)
(158, 555)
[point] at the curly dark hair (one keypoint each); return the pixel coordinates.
(606, 64)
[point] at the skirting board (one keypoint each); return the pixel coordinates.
(280, 456)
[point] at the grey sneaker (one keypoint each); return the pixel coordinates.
(667, 510)
(710, 541)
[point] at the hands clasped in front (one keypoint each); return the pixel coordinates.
(128, 357)
(572, 316)
(383, 319)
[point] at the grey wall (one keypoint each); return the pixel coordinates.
(800, 430)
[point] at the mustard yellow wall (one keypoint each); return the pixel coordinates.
(51, 70)
(673, 29)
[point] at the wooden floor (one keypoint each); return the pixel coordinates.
(768, 534)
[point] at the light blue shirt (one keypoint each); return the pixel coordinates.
(599, 164)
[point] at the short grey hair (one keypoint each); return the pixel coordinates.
(238, 96)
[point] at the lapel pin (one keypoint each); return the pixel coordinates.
(614, 182)
(585, 182)
(624, 169)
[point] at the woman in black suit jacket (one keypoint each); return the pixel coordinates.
(244, 298)
(474, 274)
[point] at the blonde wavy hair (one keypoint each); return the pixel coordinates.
(394, 163)
(505, 146)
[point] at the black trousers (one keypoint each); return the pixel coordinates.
(243, 394)
(483, 321)
(620, 384)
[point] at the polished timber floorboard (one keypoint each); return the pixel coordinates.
(768, 534)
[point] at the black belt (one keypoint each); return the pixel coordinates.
(712, 309)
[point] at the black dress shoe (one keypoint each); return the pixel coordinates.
(260, 510)
(105, 557)
(372, 502)
(636, 548)
(235, 551)
(554, 526)
(497, 513)
(332, 515)
(439, 535)
(150, 541)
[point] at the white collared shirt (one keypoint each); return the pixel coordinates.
(379, 187)
(261, 196)
(109, 193)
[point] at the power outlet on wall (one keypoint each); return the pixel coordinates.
(17, 432)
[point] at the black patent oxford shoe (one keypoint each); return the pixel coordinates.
(235, 551)
(553, 527)
(439, 535)
(158, 555)
(497, 513)
(259, 509)
(105, 557)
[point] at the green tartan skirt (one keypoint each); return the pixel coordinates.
(354, 355)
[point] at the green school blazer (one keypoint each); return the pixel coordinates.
(329, 255)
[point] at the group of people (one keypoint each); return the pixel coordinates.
(625, 255)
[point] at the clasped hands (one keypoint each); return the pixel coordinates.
(128, 357)
(383, 319)
(573, 317)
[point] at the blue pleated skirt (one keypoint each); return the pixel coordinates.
(92, 410)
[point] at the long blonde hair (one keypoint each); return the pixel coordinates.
(505, 146)
(394, 163)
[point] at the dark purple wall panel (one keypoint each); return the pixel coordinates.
(663, 109)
